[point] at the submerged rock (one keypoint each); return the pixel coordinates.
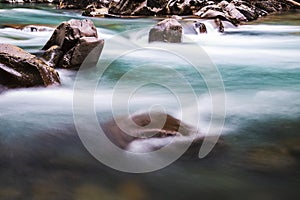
(170, 128)
(71, 43)
(21, 69)
(269, 159)
(168, 30)
(152, 133)
(293, 146)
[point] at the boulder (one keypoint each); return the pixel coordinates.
(168, 30)
(79, 4)
(148, 7)
(75, 56)
(193, 27)
(200, 27)
(157, 3)
(179, 8)
(138, 8)
(150, 134)
(219, 25)
(234, 14)
(267, 6)
(93, 11)
(246, 9)
(224, 11)
(126, 7)
(155, 7)
(143, 10)
(211, 14)
(71, 43)
(238, 11)
(67, 34)
(21, 69)
(209, 8)
(118, 136)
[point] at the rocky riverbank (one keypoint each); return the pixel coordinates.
(236, 11)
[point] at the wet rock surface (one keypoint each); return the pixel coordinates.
(236, 11)
(157, 130)
(69, 46)
(168, 30)
(21, 69)
(80, 4)
(150, 134)
(71, 43)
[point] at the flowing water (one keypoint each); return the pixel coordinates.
(260, 67)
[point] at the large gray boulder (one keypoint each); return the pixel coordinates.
(21, 69)
(71, 43)
(168, 30)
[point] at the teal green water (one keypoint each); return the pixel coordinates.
(260, 67)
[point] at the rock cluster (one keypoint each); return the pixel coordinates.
(71, 43)
(30, 1)
(235, 11)
(80, 4)
(21, 69)
(68, 47)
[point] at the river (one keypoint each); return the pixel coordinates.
(260, 68)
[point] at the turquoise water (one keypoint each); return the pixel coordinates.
(260, 68)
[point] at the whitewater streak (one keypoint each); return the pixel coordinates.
(92, 134)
